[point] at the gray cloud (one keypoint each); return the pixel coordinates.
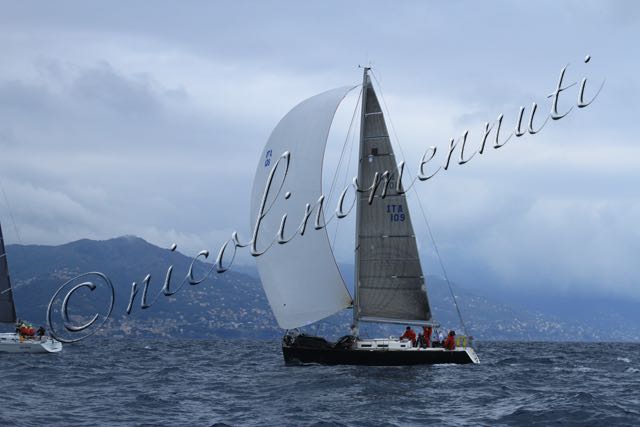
(149, 120)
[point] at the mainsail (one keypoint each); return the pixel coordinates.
(301, 278)
(7, 308)
(390, 285)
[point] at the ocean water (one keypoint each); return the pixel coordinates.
(204, 383)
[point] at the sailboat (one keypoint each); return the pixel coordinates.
(300, 275)
(18, 342)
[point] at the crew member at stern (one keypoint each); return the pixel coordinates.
(450, 342)
(409, 334)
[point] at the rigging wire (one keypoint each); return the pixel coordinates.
(348, 168)
(13, 221)
(435, 246)
(15, 227)
(344, 147)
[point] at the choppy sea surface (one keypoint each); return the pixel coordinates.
(203, 383)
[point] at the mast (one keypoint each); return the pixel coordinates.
(361, 151)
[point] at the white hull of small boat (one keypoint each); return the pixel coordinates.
(11, 343)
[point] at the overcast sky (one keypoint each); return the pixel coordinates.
(148, 119)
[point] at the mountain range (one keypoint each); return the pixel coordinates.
(233, 304)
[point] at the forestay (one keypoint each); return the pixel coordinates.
(300, 278)
(7, 308)
(390, 282)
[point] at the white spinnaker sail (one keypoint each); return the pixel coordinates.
(301, 277)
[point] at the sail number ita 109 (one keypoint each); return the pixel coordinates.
(396, 213)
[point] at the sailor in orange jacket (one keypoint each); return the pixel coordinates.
(450, 341)
(409, 335)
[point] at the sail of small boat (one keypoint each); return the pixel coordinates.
(7, 307)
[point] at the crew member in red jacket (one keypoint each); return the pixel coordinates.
(409, 335)
(450, 341)
(427, 331)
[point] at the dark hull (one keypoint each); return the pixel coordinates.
(329, 354)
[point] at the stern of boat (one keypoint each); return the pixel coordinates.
(51, 346)
(472, 355)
